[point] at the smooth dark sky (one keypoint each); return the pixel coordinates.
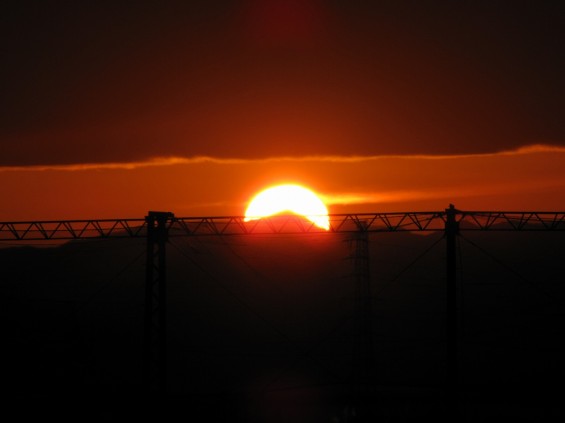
(104, 82)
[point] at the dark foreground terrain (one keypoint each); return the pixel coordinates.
(265, 329)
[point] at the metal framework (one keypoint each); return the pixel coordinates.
(363, 365)
(452, 227)
(155, 318)
(158, 226)
(237, 225)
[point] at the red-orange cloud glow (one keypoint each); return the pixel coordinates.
(531, 177)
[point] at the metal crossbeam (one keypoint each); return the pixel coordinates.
(71, 229)
(289, 224)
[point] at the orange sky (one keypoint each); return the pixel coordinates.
(527, 179)
(111, 109)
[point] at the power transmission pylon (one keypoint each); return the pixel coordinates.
(452, 315)
(363, 363)
(155, 344)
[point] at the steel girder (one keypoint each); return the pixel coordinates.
(288, 224)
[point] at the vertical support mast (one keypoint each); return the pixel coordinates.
(363, 360)
(451, 233)
(154, 348)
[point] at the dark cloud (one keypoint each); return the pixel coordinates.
(119, 82)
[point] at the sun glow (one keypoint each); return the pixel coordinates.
(291, 198)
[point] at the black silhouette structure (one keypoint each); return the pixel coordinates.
(158, 228)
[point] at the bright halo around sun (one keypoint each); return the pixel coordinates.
(291, 198)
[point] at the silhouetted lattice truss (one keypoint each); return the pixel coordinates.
(237, 225)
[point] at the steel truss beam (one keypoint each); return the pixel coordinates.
(291, 224)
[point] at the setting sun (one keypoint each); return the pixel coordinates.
(292, 198)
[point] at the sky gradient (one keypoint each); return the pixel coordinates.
(111, 109)
(527, 179)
